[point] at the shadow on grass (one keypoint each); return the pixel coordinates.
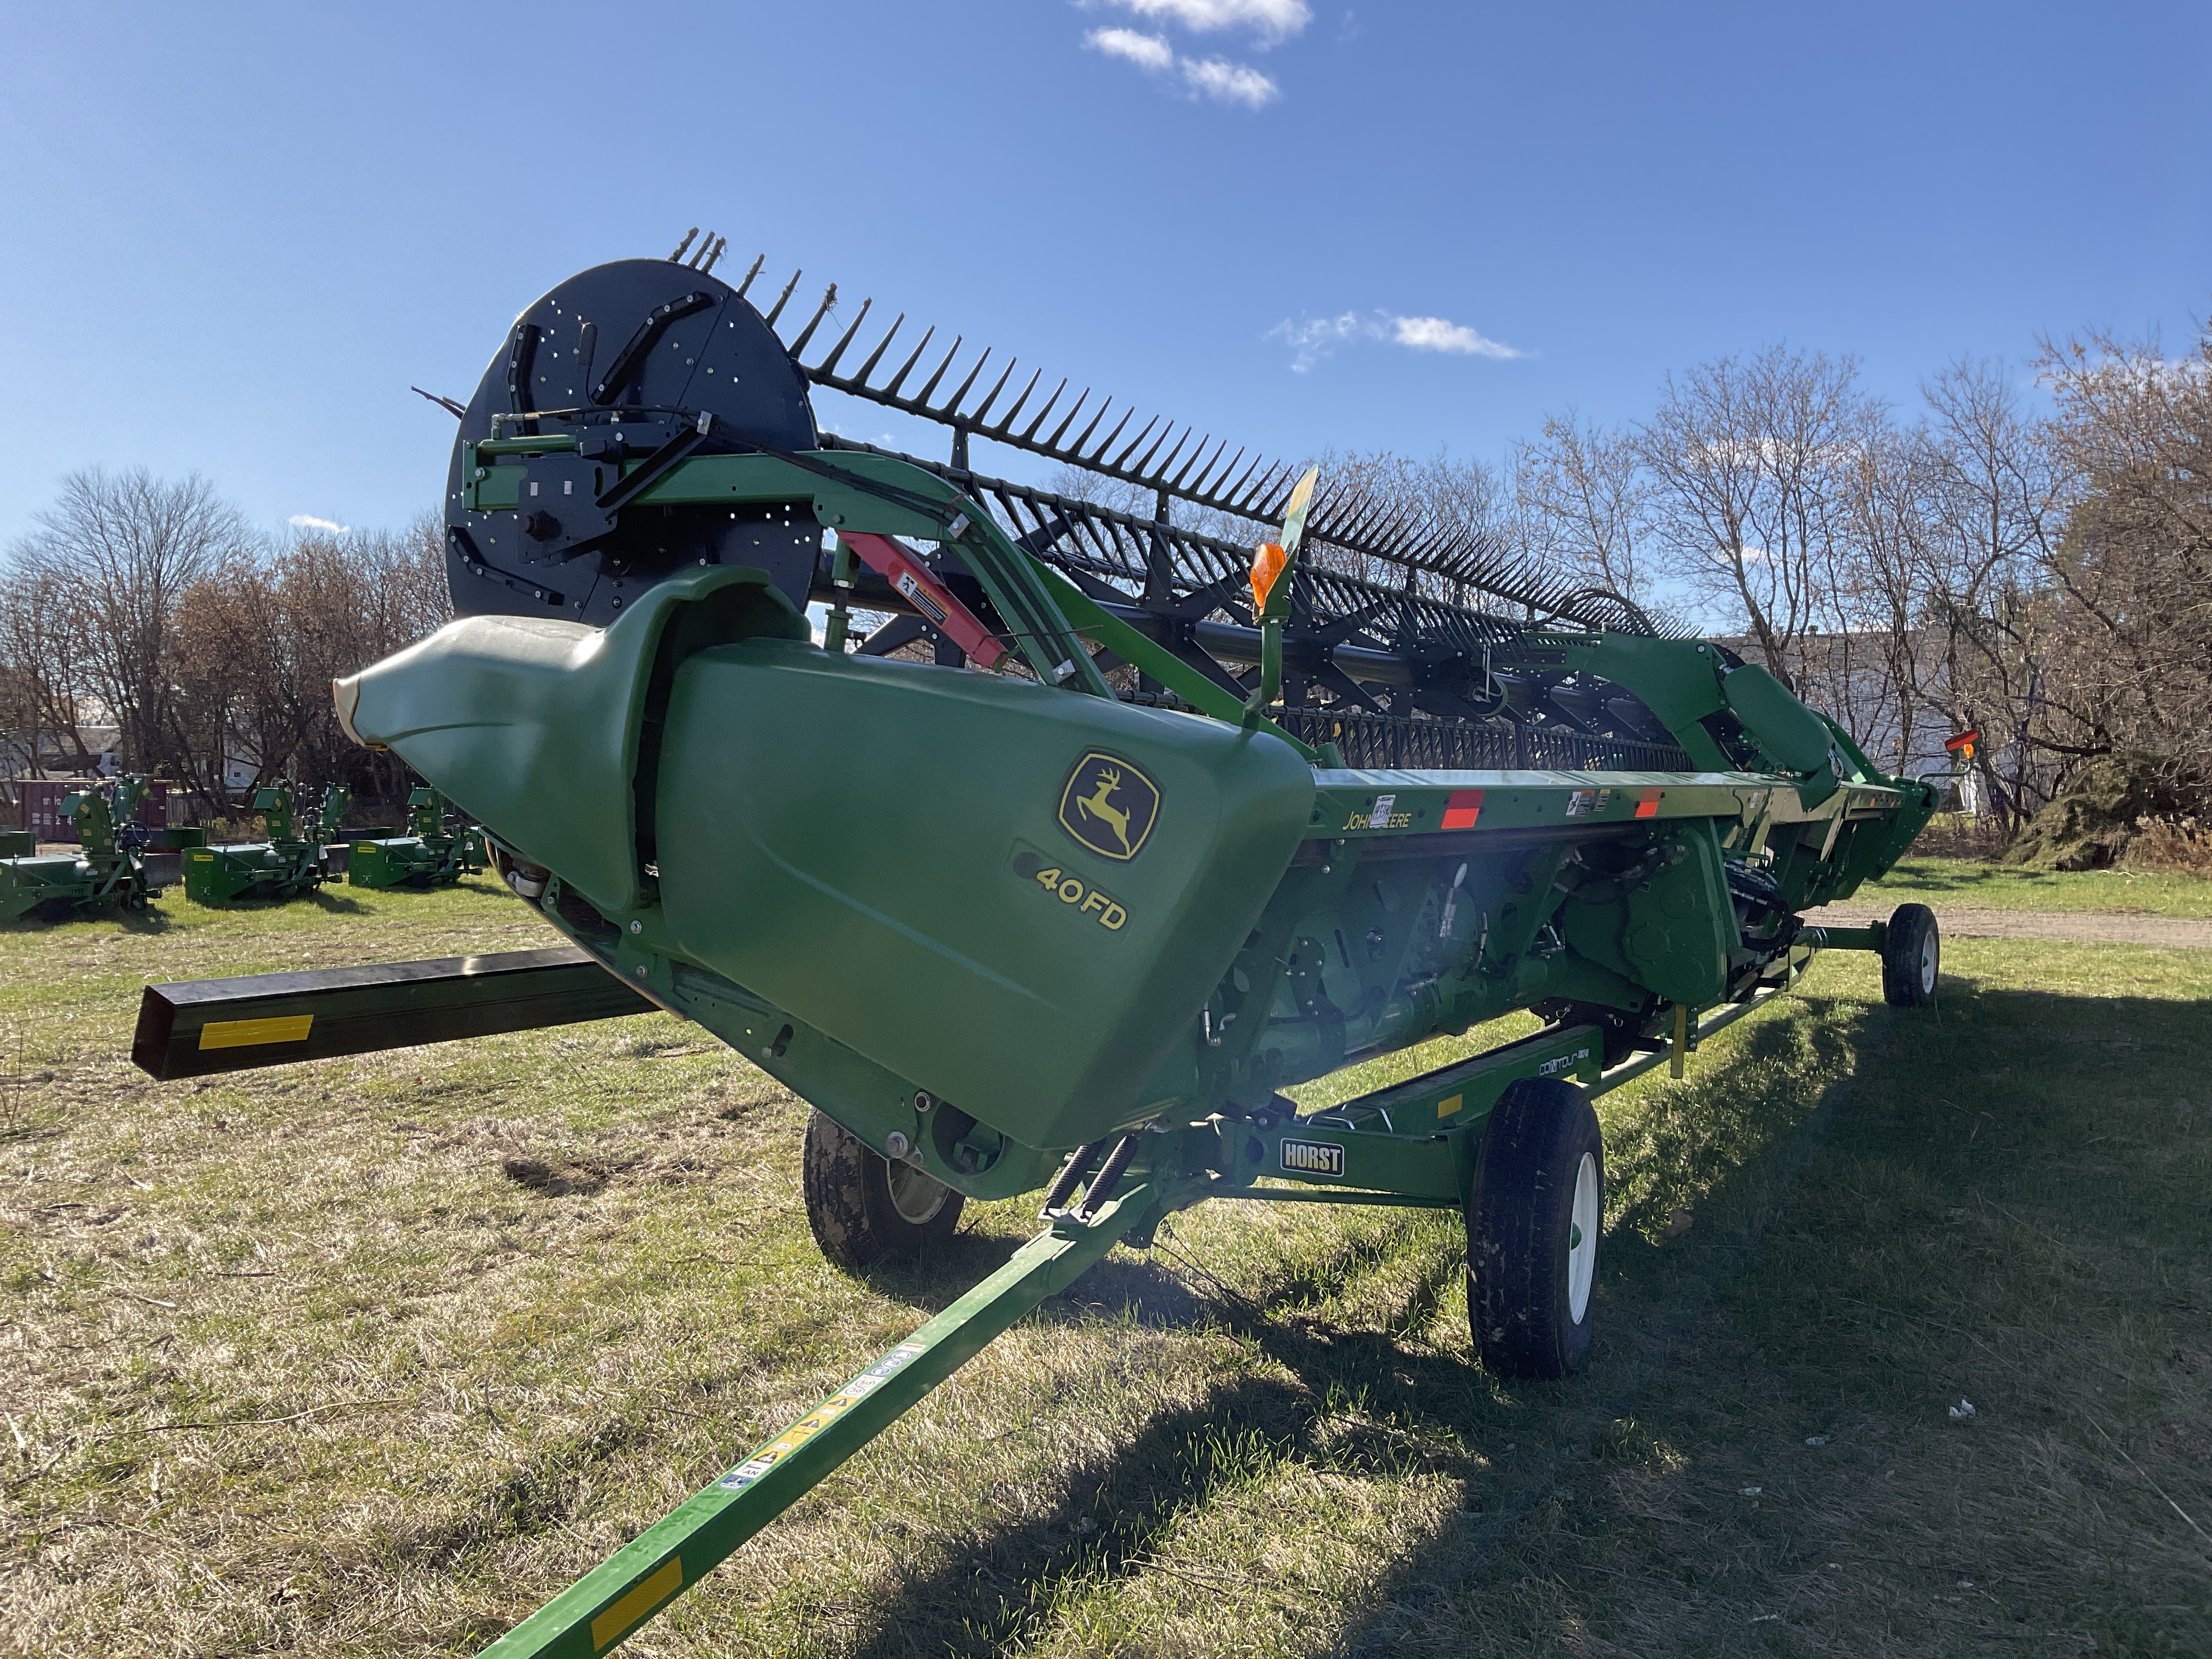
(1831, 1078)
(1755, 1133)
(1731, 1149)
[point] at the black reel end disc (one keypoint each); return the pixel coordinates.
(625, 357)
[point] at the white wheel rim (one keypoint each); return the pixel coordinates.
(1582, 1239)
(917, 1197)
(1928, 965)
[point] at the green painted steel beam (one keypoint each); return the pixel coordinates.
(609, 1603)
(1092, 618)
(1331, 1195)
(1874, 936)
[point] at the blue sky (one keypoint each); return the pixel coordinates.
(232, 236)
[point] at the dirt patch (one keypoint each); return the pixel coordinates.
(2097, 927)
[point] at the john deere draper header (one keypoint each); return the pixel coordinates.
(1166, 828)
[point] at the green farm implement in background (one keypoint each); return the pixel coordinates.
(293, 860)
(1114, 832)
(431, 854)
(104, 872)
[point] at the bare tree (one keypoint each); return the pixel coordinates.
(43, 688)
(1994, 506)
(123, 549)
(260, 639)
(1584, 500)
(1749, 461)
(2134, 670)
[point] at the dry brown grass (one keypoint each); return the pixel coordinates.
(371, 1356)
(2180, 847)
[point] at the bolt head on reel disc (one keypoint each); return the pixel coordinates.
(626, 357)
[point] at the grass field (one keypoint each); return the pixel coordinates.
(1969, 884)
(369, 1356)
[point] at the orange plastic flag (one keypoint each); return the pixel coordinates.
(1267, 562)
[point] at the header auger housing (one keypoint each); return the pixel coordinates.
(1077, 922)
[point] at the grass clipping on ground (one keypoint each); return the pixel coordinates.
(373, 1355)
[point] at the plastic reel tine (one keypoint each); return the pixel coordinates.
(1201, 487)
(907, 369)
(1096, 456)
(721, 246)
(952, 407)
(784, 298)
(1118, 460)
(829, 299)
(677, 256)
(1230, 495)
(754, 271)
(1041, 413)
(1264, 491)
(1175, 483)
(1053, 442)
(921, 398)
(827, 363)
(1007, 419)
(860, 377)
(1144, 468)
(992, 397)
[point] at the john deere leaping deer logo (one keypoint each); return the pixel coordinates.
(1109, 805)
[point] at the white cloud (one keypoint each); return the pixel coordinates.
(1149, 53)
(1434, 334)
(1315, 338)
(1212, 77)
(1270, 21)
(308, 521)
(1229, 84)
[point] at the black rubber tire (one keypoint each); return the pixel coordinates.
(1912, 957)
(1522, 1240)
(851, 1205)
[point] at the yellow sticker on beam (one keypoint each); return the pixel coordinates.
(641, 1598)
(1449, 1104)
(251, 1033)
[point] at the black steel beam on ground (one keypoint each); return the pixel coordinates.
(195, 1027)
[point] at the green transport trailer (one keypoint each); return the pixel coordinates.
(293, 860)
(106, 871)
(1110, 834)
(431, 853)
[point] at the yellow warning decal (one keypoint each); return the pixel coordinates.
(251, 1033)
(821, 1416)
(1449, 1104)
(638, 1601)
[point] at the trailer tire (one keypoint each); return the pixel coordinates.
(1911, 956)
(1532, 1225)
(862, 1207)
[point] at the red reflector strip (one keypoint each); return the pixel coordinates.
(1964, 740)
(1647, 804)
(1464, 807)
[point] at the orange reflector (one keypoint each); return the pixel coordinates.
(1267, 562)
(1964, 745)
(1647, 804)
(1464, 807)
